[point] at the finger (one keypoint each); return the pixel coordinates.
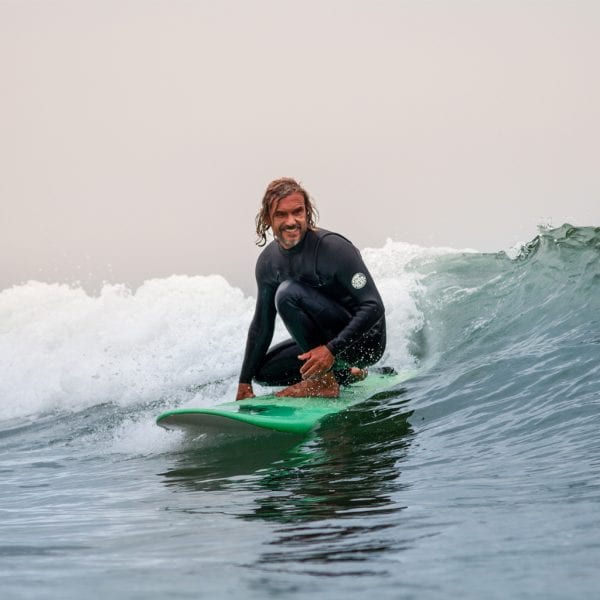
(305, 368)
(312, 372)
(304, 356)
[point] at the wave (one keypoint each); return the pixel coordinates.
(492, 334)
(513, 346)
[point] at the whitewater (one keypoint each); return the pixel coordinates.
(480, 477)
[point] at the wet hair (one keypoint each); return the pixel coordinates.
(278, 190)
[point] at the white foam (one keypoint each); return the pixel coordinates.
(62, 349)
(395, 269)
(141, 437)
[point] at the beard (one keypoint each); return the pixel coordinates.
(286, 242)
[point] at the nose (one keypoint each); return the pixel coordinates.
(289, 220)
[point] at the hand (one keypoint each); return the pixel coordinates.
(318, 361)
(244, 391)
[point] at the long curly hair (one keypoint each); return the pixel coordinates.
(278, 190)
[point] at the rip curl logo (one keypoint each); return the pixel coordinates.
(359, 280)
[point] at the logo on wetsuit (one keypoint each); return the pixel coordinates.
(359, 280)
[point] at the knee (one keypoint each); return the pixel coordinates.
(288, 295)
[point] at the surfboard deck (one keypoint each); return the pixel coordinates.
(267, 414)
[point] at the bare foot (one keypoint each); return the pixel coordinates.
(325, 387)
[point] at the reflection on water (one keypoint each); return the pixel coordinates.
(334, 497)
(348, 467)
(216, 463)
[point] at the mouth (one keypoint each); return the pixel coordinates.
(290, 230)
(290, 236)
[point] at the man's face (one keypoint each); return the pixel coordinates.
(288, 220)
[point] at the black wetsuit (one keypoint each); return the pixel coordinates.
(324, 294)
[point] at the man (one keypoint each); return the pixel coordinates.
(318, 283)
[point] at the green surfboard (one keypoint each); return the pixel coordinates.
(265, 414)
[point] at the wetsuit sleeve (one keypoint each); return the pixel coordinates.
(346, 266)
(261, 328)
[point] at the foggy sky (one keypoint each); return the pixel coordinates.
(137, 137)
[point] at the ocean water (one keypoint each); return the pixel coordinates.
(479, 478)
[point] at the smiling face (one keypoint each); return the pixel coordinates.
(288, 220)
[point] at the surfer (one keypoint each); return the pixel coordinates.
(318, 283)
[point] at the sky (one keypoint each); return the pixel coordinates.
(137, 136)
